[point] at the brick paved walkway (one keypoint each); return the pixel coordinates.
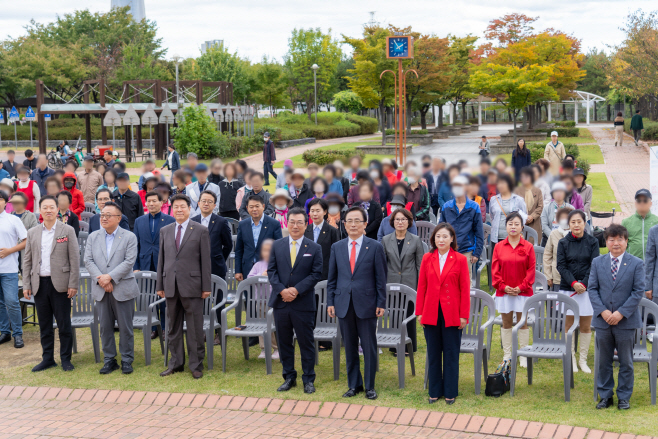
(31, 412)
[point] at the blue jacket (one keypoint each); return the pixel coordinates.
(445, 193)
(623, 294)
(429, 178)
(246, 254)
(221, 243)
(95, 223)
(148, 248)
(175, 162)
(385, 228)
(520, 161)
(336, 186)
(36, 176)
(366, 286)
(304, 275)
(467, 225)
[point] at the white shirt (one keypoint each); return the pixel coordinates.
(205, 221)
(358, 241)
(47, 237)
(182, 232)
(170, 159)
(12, 232)
(443, 259)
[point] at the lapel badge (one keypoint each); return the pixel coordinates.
(624, 263)
(266, 227)
(366, 248)
(213, 222)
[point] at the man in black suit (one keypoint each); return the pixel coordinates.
(321, 232)
(356, 293)
(129, 202)
(221, 241)
(295, 268)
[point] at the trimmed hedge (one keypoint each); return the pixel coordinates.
(288, 126)
(562, 131)
(327, 156)
(537, 152)
(391, 132)
(565, 123)
(650, 129)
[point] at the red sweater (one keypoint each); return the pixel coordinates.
(78, 202)
(513, 267)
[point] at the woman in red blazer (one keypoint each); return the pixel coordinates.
(513, 272)
(443, 305)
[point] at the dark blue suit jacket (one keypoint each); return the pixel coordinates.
(245, 251)
(366, 286)
(221, 243)
(304, 275)
(148, 248)
(95, 223)
(434, 198)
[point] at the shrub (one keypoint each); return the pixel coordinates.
(197, 133)
(326, 156)
(330, 118)
(537, 150)
(391, 132)
(369, 125)
(290, 127)
(565, 123)
(562, 131)
(348, 101)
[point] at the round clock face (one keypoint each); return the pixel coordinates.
(398, 47)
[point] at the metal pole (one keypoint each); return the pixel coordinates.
(315, 86)
(177, 96)
(15, 135)
(30, 134)
(114, 141)
(588, 110)
(479, 113)
(46, 122)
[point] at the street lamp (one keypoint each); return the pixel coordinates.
(176, 58)
(315, 68)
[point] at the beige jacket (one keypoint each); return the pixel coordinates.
(64, 259)
(89, 182)
(555, 155)
(550, 256)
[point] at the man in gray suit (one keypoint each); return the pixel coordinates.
(184, 270)
(616, 286)
(110, 255)
(51, 272)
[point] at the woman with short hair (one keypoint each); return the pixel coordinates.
(550, 250)
(501, 206)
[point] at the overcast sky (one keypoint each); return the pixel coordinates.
(261, 27)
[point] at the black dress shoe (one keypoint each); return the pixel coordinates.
(197, 374)
(109, 367)
(44, 365)
(126, 368)
(432, 401)
(287, 385)
(67, 366)
(168, 372)
(604, 403)
(353, 392)
(451, 401)
(18, 342)
(4, 338)
(623, 404)
(371, 394)
(309, 388)
(154, 335)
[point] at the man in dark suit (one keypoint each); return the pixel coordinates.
(147, 231)
(616, 287)
(251, 234)
(10, 165)
(435, 177)
(295, 268)
(356, 293)
(320, 232)
(129, 202)
(221, 240)
(184, 280)
(104, 196)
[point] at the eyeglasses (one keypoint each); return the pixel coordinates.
(296, 223)
(206, 202)
(353, 222)
(401, 220)
(107, 216)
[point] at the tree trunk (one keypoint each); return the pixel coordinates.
(464, 113)
(524, 127)
(440, 116)
(494, 114)
(564, 111)
(454, 113)
(423, 122)
(514, 116)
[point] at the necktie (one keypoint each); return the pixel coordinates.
(353, 256)
(293, 253)
(180, 228)
(614, 268)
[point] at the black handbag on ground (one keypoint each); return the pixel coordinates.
(498, 382)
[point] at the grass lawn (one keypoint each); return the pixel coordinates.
(591, 153)
(298, 162)
(542, 402)
(604, 198)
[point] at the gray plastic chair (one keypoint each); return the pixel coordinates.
(84, 226)
(85, 216)
(326, 328)
(392, 326)
(484, 263)
(640, 352)
(90, 207)
(252, 295)
(473, 336)
(432, 217)
(210, 324)
(549, 340)
(231, 283)
(82, 243)
(234, 225)
(529, 232)
(145, 316)
(84, 315)
(425, 229)
(426, 248)
(539, 258)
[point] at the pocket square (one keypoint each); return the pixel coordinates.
(307, 254)
(61, 239)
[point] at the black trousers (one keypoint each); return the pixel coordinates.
(267, 170)
(443, 344)
(190, 309)
(288, 320)
(231, 214)
(354, 329)
(49, 302)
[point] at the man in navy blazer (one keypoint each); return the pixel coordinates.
(221, 241)
(356, 293)
(616, 287)
(294, 269)
(102, 197)
(251, 234)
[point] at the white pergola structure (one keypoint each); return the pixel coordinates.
(582, 97)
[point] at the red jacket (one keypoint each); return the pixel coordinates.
(78, 203)
(514, 267)
(451, 288)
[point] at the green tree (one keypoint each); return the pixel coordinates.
(461, 65)
(348, 101)
(136, 63)
(218, 64)
(196, 132)
(271, 84)
(305, 48)
(597, 66)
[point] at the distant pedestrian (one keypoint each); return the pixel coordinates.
(619, 129)
(269, 157)
(637, 126)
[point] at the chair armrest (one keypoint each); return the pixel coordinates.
(220, 304)
(408, 319)
(270, 319)
(157, 302)
(225, 311)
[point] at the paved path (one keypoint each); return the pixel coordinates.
(31, 412)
